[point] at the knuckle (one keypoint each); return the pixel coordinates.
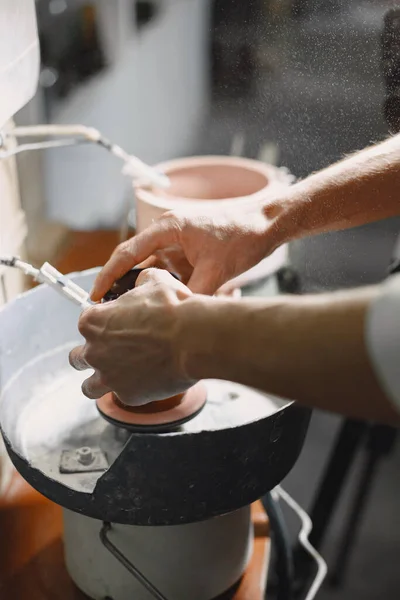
(164, 294)
(74, 356)
(88, 320)
(123, 252)
(175, 220)
(172, 215)
(91, 355)
(83, 324)
(150, 275)
(161, 288)
(107, 382)
(104, 380)
(87, 389)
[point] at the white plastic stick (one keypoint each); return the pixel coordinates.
(48, 274)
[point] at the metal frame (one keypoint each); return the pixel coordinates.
(134, 571)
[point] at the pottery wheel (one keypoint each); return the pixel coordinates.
(238, 447)
(56, 417)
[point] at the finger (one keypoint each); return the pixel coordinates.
(229, 289)
(93, 387)
(92, 320)
(77, 359)
(159, 276)
(158, 236)
(205, 279)
(152, 262)
(171, 259)
(175, 262)
(152, 276)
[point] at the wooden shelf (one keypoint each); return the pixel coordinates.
(86, 250)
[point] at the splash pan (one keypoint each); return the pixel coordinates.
(238, 447)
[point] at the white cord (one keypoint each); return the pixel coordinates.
(60, 130)
(40, 146)
(304, 541)
(49, 275)
(133, 166)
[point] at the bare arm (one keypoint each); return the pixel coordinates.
(310, 349)
(338, 352)
(210, 248)
(360, 189)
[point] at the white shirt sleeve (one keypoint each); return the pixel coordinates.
(383, 338)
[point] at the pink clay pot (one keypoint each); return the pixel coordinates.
(221, 182)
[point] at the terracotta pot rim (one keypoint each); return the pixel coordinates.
(274, 176)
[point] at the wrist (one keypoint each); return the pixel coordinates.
(235, 340)
(288, 215)
(204, 331)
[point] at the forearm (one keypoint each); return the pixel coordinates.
(360, 189)
(310, 349)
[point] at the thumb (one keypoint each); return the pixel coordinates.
(206, 278)
(156, 237)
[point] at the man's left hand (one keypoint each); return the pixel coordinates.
(132, 342)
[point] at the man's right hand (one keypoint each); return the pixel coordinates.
(205, 249)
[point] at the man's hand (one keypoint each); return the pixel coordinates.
(131, 343)
(160, 339)
(209, 249)
(205, 250)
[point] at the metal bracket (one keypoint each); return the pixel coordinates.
(138, 575)
(83, 460)
(3, 288)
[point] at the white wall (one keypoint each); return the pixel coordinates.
(12, 233)
(359, 256)
(19, 64)
(150, 101)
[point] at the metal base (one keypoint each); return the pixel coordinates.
(377, 441)
(23, 513)
(199, 561)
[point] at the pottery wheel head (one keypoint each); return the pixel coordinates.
(155, 417)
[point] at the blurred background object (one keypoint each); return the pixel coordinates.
(173, 78)
(138, 72)
(314, 87)
(19, 66)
